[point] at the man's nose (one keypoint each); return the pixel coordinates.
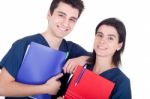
(66, 23)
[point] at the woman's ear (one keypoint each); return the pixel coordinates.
(120, 46)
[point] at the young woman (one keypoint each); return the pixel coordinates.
(109, 43)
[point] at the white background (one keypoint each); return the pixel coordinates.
(19, 18)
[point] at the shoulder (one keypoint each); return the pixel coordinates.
(119, 78)
(26, 40)
(72, 44)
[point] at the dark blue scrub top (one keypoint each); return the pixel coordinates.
(122, 89)
(13, 59)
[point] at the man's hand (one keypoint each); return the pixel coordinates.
(60, 97)
(72, 64)
(53, 84)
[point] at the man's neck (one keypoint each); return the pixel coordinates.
(53, 41)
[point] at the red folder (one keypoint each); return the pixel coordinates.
(90, 86)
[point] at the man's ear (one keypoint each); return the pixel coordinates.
(48, 14)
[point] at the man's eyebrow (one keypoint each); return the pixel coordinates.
(61, 12)
(74, 18)
(66, 14)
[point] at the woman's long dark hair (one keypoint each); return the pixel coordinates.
(121, 30)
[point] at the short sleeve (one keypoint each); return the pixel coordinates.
(13, 59)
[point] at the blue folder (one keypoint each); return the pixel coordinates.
(39, 64)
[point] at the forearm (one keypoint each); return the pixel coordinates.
(9, 87)
(18, 90)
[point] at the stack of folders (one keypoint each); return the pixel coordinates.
(39, 64)
(87, 85)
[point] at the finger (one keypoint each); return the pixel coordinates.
(58, 76)
(72, 68)
(71, 65)
(60, 97)
(65, 66)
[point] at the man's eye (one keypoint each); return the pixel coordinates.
(73, 20)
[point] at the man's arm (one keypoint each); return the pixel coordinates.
(9, 87)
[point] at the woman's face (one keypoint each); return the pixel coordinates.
(106, 41)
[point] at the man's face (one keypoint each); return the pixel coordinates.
(63, 19)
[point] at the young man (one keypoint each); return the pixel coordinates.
(61, 17)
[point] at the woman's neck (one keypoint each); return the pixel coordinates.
(102, 64)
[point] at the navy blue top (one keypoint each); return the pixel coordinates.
(13, 59)
(122, 89)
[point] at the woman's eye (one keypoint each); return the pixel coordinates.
(110, 38)
(60, 15)
(99, 35)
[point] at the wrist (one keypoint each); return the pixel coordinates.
(84, 59)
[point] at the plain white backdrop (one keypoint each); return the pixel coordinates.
(19, 18)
